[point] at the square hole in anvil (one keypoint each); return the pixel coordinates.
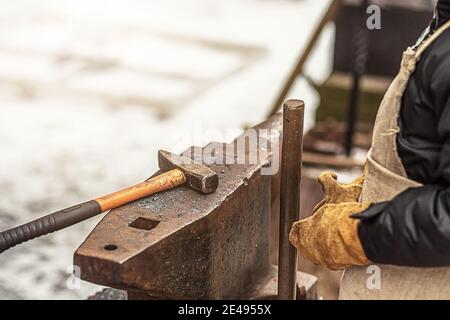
(144, 224)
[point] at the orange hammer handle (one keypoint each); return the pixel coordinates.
(83, 211)
(164, 181)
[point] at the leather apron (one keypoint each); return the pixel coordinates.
(385, 178)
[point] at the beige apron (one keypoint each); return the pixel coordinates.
(385, 178)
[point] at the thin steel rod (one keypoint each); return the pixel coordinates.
(329, 15)
(291, 165)
(361, 38)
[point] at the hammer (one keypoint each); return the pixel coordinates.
(177, 171)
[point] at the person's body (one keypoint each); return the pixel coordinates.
(397, 215)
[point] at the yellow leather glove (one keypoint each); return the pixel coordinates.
(336, 192)
(330, 236)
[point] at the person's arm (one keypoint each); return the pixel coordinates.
(411, 230)
(414, 228)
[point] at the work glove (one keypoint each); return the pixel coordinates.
(335, 192)
(329, 237)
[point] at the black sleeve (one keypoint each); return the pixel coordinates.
(413, 229)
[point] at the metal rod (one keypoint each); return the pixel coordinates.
(329, 15)
(291, 165)
(352, 109)
(360, 35)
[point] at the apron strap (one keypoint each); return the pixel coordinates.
(422, 47)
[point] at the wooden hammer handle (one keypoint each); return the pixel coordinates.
(164, 181)
(75, 214)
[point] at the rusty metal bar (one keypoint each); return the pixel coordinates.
(291, 164)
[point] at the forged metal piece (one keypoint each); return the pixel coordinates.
(291, 165)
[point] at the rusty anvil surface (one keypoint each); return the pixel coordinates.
(180, 244)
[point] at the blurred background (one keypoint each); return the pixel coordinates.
(90, 90)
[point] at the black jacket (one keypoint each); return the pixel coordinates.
(413, 229)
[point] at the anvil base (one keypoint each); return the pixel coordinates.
(306, 290)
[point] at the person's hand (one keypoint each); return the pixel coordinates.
(330, 236)
(335, 192)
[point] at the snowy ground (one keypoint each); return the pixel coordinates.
(90, 90)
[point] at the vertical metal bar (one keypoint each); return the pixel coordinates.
(352, 109)
(360, 35)
(291, 165)
(329, 15)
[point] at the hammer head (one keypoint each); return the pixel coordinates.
(198, 176)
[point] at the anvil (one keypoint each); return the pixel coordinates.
(182, 244)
